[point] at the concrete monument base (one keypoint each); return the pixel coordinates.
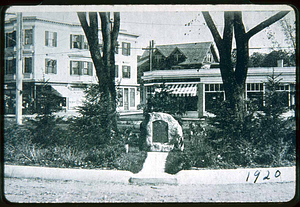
(153, 172)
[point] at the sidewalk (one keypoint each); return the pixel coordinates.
(232, 176)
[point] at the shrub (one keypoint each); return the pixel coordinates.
(133, 161)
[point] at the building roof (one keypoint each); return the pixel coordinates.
(194, 52)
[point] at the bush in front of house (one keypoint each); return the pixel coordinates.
(76, 143)
(262, 139)
(20, 150)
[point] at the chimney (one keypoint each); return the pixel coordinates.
(280, 63)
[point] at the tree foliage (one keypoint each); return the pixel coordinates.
(270, 60)
(88, 129)
(104, 61)
(44, 127)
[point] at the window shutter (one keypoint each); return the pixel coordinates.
(30, 65)
(116, 71)
(129, 70)
(54, 64)
(90, 69)
(14, 37)
(54, 39)
(128, 48)
(71, 41)
(81, 39)
(46, 38)
(70, 67)
(46, 65)
(80, 65)
(123, 48)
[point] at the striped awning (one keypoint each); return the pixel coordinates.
(183, 89)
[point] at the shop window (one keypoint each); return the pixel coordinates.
(132, 97)
(51, 66)
(120, 96)
(50, 39)
(206, 87)
(126, 99)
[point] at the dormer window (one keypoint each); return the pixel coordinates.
(209, 58)
(158, 58)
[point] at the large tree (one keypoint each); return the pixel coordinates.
(104, 60)
(234, 78)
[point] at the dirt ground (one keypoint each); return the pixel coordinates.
(56, 191)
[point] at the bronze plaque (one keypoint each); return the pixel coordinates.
(160, 131)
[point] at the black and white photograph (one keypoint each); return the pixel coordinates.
(149, 104)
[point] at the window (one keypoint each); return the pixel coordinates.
(78, 41)
(158, 58)
(177, 57)
(116, 71)
(28, 65)
(126, 71)
(51, 39)
(10, 39)
(28, 38)
(81, 68)
(254, 86)
(132, 97)
(117, 48)
(208, 58)
(126, 99)
(120, 97)
(10, 66)
(125, 48)
(74, 65)
(214, 87)
(50, 66)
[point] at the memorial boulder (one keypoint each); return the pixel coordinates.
(161, 132)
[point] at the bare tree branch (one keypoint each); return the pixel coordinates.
(93, 25)
(83, 22)
(116, 28)
(266, 23)
(211, 25)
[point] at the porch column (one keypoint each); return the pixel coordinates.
(201, 99)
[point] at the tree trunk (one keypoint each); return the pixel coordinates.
(234, 80)
(104, 63)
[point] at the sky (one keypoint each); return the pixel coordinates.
(174, 24)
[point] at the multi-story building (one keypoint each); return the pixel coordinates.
(58, 53)
(196, 78)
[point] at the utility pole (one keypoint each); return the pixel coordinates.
(19, 69)
(151, 48)
(151, 54)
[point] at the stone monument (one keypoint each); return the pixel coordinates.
(160, 132)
